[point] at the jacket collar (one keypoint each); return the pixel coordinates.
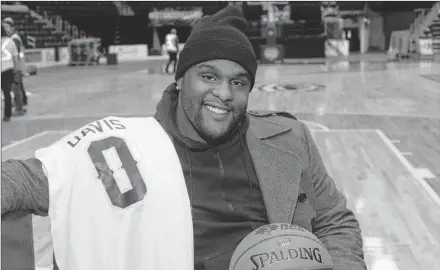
(278, 169)
(264, 129)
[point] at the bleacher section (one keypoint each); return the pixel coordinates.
(422, 39)
(34, 32)
(435, 32)
(93, 18)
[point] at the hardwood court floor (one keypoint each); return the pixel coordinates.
(384, 157)
(400, 227)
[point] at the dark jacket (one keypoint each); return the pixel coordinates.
(296, 187)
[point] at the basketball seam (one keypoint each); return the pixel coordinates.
(238, 259)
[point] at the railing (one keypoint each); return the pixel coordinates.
(421, 39)
(423, 21)
(123, 8)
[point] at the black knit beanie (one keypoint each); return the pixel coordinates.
(219, 36)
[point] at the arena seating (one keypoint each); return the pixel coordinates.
(96, 19)
(31, 28)
(434, 30)
(82, 14)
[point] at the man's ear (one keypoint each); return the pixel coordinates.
(179, 84)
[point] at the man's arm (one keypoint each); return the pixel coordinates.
(15, 56)
(335, 225)
(24, 187)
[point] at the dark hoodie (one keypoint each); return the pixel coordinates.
(226, 200)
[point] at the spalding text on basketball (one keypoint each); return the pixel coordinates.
(272, 227)
(263, 260)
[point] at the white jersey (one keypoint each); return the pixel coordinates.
(118, 198)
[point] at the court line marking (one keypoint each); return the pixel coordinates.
(434, 196)
(417, 173)
(425, 173)
(25, 140)
(30, 138)
(321, 126)
(346, 130)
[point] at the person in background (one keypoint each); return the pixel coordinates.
(171, 44)
(18, 86)
(10, 66)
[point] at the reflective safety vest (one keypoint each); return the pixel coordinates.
(7, 62)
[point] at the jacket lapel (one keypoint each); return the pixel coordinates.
(278, 170)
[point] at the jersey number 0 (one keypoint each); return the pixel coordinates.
(107, 172)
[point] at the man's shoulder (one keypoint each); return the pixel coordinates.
(277, 122)
(282, 118)
(16, 36)
(282, 129)
(271, 114)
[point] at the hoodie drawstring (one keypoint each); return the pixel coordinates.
(246, 167)
(190, 177)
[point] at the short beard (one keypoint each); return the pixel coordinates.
(193, 111)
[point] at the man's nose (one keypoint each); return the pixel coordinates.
(223, 91)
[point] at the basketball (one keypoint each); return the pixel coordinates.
(280, 246)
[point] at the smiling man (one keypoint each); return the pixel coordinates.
(240, 170)
(246, 169)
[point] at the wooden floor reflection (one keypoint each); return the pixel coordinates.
(399, 219)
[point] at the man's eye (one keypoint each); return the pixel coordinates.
(208, 77)
(238, 83)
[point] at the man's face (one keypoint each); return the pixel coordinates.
(8, 28)
(214, 97)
